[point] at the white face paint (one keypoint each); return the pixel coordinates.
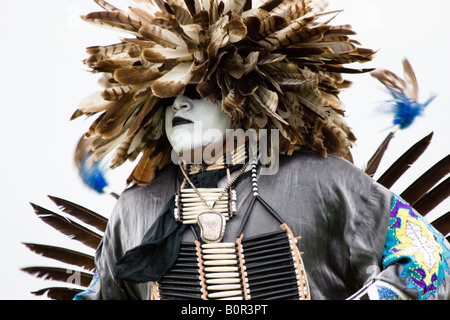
(191, 124)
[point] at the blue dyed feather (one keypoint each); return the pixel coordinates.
(405, 109)
(93, 173)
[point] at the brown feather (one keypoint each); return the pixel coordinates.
(442, 224)
(433, 198)
(411, 85)
(58, 293)
(112, 123)
(269, 5)
(423, 184)
(64, 255)
(106, 5)
(58, 274)
(68, 227)
(161, 36)
(116, 93)
(404, 162)
(146, 109)
(293, 33)
(172, 84)
(121, 153)
(135, 75)
(373, 163)
(144, 170)
(84, 214)
(114, 19)
(181, 14)
(292, 9)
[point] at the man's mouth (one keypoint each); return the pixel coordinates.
(176, 121)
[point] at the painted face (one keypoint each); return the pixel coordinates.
(194, 123)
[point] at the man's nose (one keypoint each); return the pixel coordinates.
(182, 103)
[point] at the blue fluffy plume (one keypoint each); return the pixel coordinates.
(406, 110)
(93, 173)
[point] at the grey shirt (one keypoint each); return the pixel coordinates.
(340, 213)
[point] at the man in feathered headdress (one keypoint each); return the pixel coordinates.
(197, 69)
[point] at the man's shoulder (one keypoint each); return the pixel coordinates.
(163, 184)
(307, 160)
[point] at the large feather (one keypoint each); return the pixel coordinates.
(58, 293)
(84, 214)
(159, 54)
(64, 255)
(68, 227)
(59, 274)
(442, 224)
(411, 89)
(106, 5)
(112, 123)
(433, 198)
(423, 184)
(268, 100)
(162, 36)
(172, 84)
(373, 163)
(114, 19)
(404, 162)
(94, 103)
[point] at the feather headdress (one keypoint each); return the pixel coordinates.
(273, 66)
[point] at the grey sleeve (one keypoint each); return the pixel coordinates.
(103, 285)
(369, 225)
(415, 258)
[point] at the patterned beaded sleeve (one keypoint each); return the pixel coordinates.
(416, 259)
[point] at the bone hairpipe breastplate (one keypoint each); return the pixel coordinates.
(267, 266)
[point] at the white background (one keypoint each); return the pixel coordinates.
(42, 80)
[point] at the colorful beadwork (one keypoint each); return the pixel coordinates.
(386, 293)
(418, 247)
(88, 290)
